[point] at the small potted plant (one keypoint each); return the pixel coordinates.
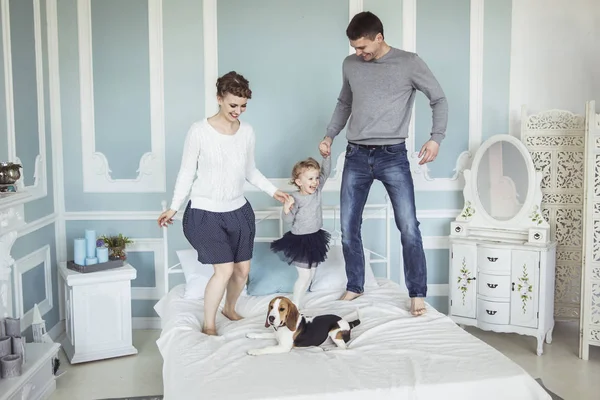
(116, 244)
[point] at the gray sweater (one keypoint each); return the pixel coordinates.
(306, 215)
(378, 96)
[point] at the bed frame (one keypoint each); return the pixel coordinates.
(333, 184)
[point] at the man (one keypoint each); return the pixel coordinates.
(378, 91)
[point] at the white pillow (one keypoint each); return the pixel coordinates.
(331, 275)
(196, 274)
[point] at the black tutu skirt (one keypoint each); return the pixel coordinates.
(308, 249)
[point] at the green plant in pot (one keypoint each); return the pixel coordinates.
(116, 244)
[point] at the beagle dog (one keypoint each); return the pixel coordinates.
(292, 329)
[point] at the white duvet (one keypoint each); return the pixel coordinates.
(392, 355)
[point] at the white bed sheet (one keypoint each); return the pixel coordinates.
(392, 355)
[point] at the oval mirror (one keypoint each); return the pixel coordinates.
(502, 180)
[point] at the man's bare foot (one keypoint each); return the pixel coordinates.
(231, 315)
(350, 295)
(209, 331)
(417, 306)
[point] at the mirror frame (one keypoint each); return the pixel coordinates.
(39, 189)
(527, 225)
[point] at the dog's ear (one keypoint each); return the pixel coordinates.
(292, 317)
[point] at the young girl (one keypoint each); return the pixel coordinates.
(218, 156)
(306, 244)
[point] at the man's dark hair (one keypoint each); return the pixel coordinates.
(364, 24)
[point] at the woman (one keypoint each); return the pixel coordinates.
(218, 221)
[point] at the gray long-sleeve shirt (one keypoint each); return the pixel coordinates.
(378, 96)
(306, 215)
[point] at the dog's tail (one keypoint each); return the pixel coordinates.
(354, 323)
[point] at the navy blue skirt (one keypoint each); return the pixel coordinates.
(308, 249)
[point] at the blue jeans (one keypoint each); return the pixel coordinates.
(388, 164)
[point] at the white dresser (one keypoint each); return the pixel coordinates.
(98, 313)
(503, 287)
(502, 259)
(37, 379)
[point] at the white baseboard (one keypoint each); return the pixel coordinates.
(57, 331)
(145, 323)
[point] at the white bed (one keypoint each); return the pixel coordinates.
(392, 355)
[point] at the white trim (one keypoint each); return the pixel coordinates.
(211, 56)
(38, 224)
(409, 43)
(21, 266)
(354, 7)
(438, 290)
(270, 213)
(60, 230)
(146, 323)
(476, 75)
(39, 188)
(519, 36)
(96, 172)
(156, 247)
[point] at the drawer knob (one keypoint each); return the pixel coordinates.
(513, 286)
(490, 312)
(492, 285)
(492, 259)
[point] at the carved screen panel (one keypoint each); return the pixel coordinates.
(556, 141)
(590, 307)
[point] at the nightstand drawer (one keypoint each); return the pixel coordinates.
(494, 286)
(493, 312)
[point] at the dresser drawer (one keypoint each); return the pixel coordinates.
(494, 286)
(493, 312)
(493, 260)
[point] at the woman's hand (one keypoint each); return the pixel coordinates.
(166, 218)
(287, 206)
(280, 196)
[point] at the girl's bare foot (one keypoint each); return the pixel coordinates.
(209, 331)
(350, 295)
(231, 315)
(417, 306)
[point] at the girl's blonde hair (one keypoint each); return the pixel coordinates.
(301, 166)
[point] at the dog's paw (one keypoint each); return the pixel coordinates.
(251, 335)
(254, 352)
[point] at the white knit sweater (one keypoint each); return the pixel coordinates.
(222, 164)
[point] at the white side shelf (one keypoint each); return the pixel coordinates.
(37, 380)
(98, 313)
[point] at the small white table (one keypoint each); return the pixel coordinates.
(36, 380)
(98, 313)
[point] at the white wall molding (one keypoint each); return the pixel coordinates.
(36, 225)
(58, 174)
(39, 188)
(21, 266)
(211, 56)
(96, 172)
(371, 211)
(476, 75)
(155, 246)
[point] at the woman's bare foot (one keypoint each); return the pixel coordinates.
(350, 295)
(417, 306)
(231, 315)
(209, 331)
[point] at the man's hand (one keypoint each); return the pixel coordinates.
(325, 147)
(428, 152)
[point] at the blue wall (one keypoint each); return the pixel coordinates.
(292, 54)
(25, 100)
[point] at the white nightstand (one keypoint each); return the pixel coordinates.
(37, 380)
(98, 313)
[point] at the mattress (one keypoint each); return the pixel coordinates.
(392, 355)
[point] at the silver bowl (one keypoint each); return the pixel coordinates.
(9, 173)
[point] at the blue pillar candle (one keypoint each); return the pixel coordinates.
(102, 254)
(91, 261)
(90, 243)
(79, 251)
